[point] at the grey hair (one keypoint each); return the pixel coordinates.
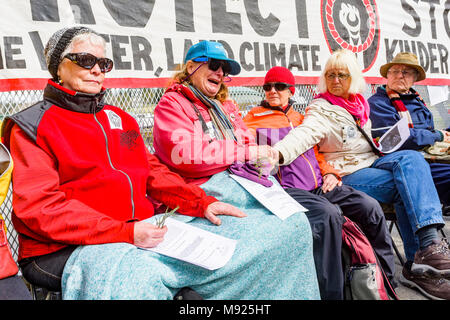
(59, 43)
(345, 59)
(94, 39)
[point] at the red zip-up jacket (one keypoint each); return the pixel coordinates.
(83, 174)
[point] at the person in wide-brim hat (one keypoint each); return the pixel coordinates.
(404, 58)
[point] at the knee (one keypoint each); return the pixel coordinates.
(325, 214)
(371, 208)
(325, 220)
(412, 157)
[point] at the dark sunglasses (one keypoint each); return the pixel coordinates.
(214, 65)
(88, 61)
(279, 86)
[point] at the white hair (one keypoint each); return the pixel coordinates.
(94, 39)
(345, 59)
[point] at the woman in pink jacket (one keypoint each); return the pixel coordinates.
(199, 134)
(195, 135)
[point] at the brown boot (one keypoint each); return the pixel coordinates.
(436, 288)
(434, 260)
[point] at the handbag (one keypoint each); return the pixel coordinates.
(364, 275)
(8, 266)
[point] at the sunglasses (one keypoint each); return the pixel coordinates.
(214, 65)
(88, 61)
(279, 86)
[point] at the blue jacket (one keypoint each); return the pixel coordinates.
(384, 115)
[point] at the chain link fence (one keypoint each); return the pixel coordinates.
(140, 103)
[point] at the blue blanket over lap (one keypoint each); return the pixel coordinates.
(273, 259)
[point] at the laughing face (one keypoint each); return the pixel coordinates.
(76, 78)
(204, 79)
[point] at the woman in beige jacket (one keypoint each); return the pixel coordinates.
(402, 178)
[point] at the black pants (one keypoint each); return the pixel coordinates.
(441, 178)
(46, 271)
(325, 217)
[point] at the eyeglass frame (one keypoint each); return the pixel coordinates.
(405, 72)
(340, 76)
(72, 56)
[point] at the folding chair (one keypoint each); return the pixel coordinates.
(390, 215)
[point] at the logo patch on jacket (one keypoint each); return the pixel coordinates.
(128, 138)
(114, 120)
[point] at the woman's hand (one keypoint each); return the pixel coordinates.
(261, 152)
(222, 208)
(147, 235)
(446, 135)
(330, 182)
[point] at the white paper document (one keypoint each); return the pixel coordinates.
(274, 198)
(437, 94)
(194, 245)
(395, 137)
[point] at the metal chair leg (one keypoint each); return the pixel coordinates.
(397, 252)
(38, 293)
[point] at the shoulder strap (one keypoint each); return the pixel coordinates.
(371, 142)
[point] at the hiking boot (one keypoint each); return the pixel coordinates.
(434, 260)
(431, 287)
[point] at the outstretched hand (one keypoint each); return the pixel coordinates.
(446, 135)
(147, 235)
(264, 153)
(222, 208)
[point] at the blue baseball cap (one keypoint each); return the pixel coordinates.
(205, 50)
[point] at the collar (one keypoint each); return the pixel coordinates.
(183, 89)
(284, 109)
(410, 94)
(73, 100)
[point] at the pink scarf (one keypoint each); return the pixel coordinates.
(356, 105)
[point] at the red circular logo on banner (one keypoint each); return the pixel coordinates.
(352, 25)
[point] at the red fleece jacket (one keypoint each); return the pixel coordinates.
(86, 178)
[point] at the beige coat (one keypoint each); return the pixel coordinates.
(334, 130)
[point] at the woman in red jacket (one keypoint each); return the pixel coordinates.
(82, 172)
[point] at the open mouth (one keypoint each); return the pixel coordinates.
(216, 82)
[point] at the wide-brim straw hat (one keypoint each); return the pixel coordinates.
(408, 59)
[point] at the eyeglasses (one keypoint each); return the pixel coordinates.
(279, 86)
(405, 73)
(88, 61)
(214, 65)
(340, 76)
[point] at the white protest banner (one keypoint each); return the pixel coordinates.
(147, 39)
